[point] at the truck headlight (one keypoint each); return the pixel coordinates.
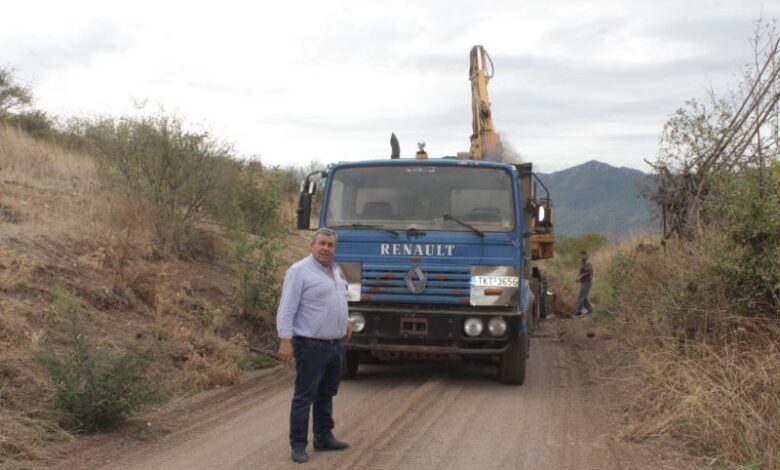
(497, 326)
(358, 322)
(473, 327)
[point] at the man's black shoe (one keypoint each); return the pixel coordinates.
(330, 444)
(299, 455)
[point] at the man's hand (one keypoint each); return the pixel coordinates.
(285, 351)
(349, 332)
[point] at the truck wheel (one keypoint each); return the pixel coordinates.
(511, 369)
(349, 364)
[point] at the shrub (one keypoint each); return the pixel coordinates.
(246, 199)
(258, 288)
(155, 160)
(183, 177)
(264, 361)
(749, 214)
(96, 388)
(36, 123)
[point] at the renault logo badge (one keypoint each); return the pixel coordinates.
(416, 280)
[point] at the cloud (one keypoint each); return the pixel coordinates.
(330, 80)
(43, 55)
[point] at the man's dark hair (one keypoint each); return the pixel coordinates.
(583, 252)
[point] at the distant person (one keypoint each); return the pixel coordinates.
(586, 281)
(313, 323)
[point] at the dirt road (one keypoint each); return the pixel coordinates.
(411, 416)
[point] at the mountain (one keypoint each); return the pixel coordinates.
(597, 197)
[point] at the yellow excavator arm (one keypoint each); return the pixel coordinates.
(486, 145)
(485, 141)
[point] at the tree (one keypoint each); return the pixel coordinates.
(735, 135)
(716, 180)
(13, 97)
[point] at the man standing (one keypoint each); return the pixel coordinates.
(586, 281)
(312, 322)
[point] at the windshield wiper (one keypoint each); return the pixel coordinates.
(446, 216)
(388, 230)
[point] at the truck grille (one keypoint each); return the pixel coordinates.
(387, 283)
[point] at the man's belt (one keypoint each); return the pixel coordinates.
(318, 340)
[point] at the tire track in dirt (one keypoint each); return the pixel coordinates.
(405, 416)
(355, 419)
(402, 432)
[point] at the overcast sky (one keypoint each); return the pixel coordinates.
(291, 82)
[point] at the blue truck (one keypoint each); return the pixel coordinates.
(437, 253)
(437, 257)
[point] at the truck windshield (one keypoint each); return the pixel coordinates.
(421, 197)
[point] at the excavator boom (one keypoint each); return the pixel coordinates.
(485, 141)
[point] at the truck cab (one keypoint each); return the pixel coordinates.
(436, 254)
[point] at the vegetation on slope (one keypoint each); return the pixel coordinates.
(701, 310)
(138, 261)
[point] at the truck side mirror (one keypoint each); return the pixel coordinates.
(308, 188)
(543, 215)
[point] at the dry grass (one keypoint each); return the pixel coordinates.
(562, 270)
(26, 160)
(25, 421)
(57, 191)
(201, 373)
(60, 225)
(708, 372)
(24, 439)
(722, 398)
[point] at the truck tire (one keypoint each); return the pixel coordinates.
(349, 364)
(511, 368)
(545, 307)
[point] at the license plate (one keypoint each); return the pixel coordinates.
(414, 326)
(495, 281)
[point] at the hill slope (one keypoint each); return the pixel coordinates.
(597, 197)
(72, 248)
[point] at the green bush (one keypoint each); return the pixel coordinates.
(259, 287)
(96, 388)
(749, 214)
(36, 123)
(184, 177)
(246, 199)
(155, 160)
(264, 361)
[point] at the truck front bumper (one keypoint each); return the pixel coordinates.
(408, 332)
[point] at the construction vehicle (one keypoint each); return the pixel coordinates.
(437, 253)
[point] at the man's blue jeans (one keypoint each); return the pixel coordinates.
(318, 367)
(582, 299)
